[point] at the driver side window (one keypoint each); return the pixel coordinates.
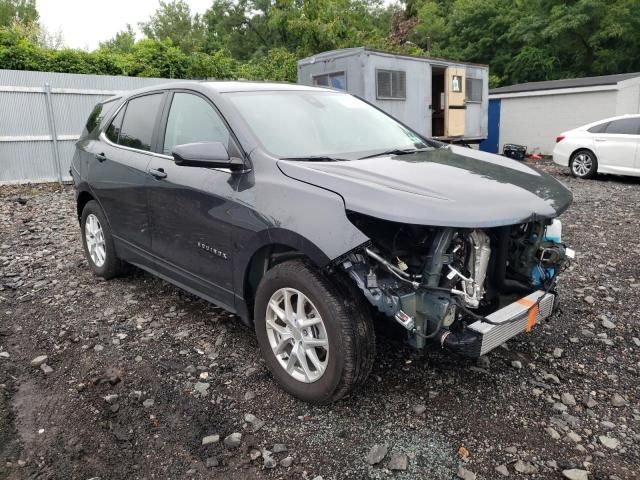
(192, 119)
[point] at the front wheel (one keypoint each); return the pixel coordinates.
(583, 164)
(316, 338)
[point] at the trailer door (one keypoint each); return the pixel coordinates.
(454, 92)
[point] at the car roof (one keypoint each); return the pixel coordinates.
(225, 87)
(610, 119)
(248, 86)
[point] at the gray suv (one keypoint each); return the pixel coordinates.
(309, 214)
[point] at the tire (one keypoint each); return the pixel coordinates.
(110, 266)
(345, 324)
(583, 164)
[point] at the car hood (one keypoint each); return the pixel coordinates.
(449, 186)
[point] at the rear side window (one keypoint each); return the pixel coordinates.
(139, 119)
(192, 119)
(97, 115)
(113, 130)
(600, 128)
(625, 126)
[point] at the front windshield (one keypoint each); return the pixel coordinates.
(301, 124)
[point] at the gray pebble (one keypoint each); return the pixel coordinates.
(568, 399)
(398, 461)
(502, 470)
(39, 360)
(575, 474)
(209, 439)
(376, 454)
(618, 400)
(279, 448)
(465, 474)
(233, 440)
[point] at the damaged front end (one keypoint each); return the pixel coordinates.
(469, 290)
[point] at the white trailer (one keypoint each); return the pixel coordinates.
(438, 98)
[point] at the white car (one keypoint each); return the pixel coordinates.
(606, 146)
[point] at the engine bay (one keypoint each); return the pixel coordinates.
(437, 281)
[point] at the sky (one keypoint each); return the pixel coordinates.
(85, 23)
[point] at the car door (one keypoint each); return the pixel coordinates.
(190, 206)
(118, 175)
(617, 145)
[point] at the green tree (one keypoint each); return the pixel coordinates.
(173, 21)
(154, 58)
(251, 28)
(123, 41)
(21, 11)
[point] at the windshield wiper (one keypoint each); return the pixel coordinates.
(395, 151)
(316, 158)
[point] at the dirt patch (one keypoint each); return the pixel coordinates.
(142, 371)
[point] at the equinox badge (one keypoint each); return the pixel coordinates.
(210, 249)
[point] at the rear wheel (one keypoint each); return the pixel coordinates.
(583, 164)
(317, 339)
(98, 244)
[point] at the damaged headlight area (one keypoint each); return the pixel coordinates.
(469, 290)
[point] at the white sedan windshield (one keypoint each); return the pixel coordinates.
(299, 124)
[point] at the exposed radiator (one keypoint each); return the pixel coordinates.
(495, 335)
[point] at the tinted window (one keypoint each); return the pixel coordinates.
(113, 130)
(139, 120)
(598, 128)
(192, 119)
(626, 126)
(96, 116)
(391, 84)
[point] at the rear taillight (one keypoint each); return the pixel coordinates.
(559, 138)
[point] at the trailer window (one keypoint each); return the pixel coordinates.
(473, 90)
(391, 84)
(335, 80)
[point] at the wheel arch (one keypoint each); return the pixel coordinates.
(270, 248)
(83, 198)
(583, 149)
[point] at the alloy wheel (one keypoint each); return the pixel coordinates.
(94, 236)
(297, 335)
(582, 164)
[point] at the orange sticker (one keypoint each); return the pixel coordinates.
(533, 313)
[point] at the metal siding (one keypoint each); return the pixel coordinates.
(23, 114)
(66, 148)
(27, 78)
(22, 162)
(348, 63)
(24, 158)
(536, 121)
(414, 109)
(628, 98)
(476, 116)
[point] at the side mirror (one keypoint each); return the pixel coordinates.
(205, 155)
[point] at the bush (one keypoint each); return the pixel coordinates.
(147, 58)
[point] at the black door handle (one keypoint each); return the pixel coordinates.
(158, 172)
(101, 157)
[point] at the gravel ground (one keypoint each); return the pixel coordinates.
(137, 373)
